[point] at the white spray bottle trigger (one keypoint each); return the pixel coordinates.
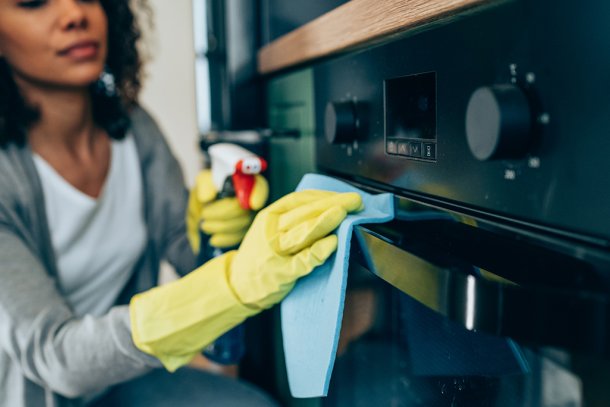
(225, 157)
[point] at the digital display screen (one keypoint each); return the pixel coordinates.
(410, 107)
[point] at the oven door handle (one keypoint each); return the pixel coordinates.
(534, 315)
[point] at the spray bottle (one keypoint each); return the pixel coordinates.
(233, 172)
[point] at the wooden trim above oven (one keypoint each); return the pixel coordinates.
(354, 24)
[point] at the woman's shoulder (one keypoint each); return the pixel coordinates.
(143, 123)
(146, 131)
(6, 169)
(140, 115)
(14, 173)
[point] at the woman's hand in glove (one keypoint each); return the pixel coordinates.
(222, 219)
(286, 241)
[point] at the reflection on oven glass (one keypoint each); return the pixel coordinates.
(395, 352)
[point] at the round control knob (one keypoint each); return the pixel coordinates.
(341, 122)
(498, 122)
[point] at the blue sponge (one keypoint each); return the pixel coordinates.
(312, 312)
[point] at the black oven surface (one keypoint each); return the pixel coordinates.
(528, 79)
(491, 286)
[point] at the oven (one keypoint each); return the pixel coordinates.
(491, 286)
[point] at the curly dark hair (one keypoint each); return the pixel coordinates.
(109, 111)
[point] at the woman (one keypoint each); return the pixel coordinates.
(91, 200)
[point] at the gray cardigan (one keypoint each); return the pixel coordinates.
(49, 357)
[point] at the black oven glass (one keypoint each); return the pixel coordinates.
(395, 351)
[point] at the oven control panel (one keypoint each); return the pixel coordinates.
(502, 113)
(410, 116)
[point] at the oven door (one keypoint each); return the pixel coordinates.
(443, 310)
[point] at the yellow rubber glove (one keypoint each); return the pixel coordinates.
(223, 220)
(287, 240)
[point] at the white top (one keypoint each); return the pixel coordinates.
(97, 242)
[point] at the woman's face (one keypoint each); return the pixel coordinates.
(56, 43)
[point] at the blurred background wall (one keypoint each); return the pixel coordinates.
(169, 86)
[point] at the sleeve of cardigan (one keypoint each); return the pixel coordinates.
(166, 194)
(55, 349)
